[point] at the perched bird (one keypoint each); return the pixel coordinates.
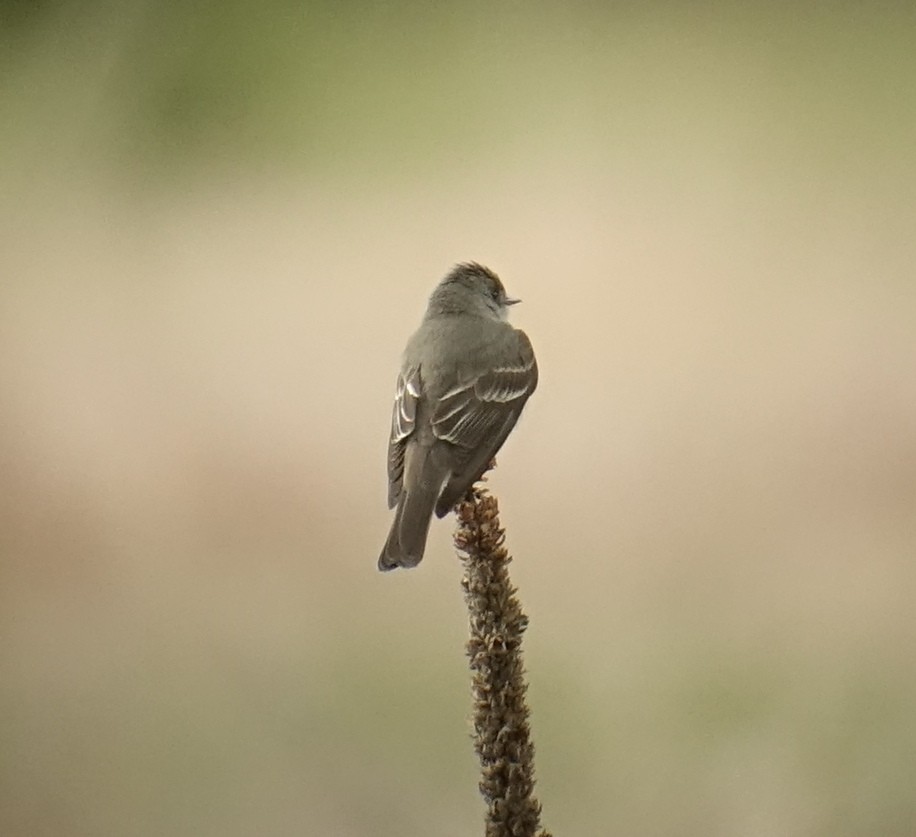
(465, 376)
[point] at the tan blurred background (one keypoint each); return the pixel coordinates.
(220, 223)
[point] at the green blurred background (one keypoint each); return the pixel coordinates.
(220, 222)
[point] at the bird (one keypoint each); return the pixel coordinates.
(465, 376)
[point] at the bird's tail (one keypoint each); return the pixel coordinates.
(407, 539)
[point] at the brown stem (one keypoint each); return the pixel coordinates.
(501, 732)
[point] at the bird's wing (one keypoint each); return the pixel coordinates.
(476, 416)
(403, 421)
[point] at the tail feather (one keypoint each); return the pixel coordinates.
(406, 541)
(424, 476)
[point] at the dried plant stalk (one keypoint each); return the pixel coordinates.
(501, 732)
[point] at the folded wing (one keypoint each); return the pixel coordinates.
(403, 422)
(477, 416)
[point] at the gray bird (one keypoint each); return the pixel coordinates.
(465, 376)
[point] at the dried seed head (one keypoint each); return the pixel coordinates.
(497, 623)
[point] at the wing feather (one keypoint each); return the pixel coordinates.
(477, 417)
(403, 422)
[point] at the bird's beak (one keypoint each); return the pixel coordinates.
(510, 301)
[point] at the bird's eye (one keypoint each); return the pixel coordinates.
(494, 292)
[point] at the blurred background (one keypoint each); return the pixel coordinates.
(220, 223)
